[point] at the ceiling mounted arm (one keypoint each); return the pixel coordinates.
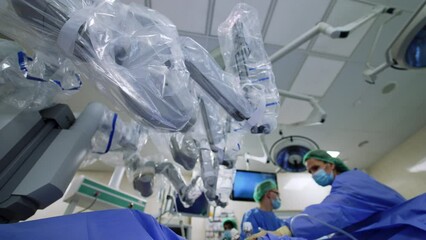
(319, 115)
(405, 51)
(327, 29)
(261, 159)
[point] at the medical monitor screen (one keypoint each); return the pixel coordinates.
(246, 181)
(200, 208)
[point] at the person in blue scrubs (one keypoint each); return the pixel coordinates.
(354, 197)
(267, 195)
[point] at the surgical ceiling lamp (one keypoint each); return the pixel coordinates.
(407, 51)
(288, 152)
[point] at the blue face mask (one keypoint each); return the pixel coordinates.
(276, 203)
(227, 235)
(323, 178)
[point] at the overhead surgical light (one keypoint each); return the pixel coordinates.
(288, 152)
(407, 51)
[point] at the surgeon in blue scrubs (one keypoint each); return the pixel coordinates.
(354, 197)
(267, 195)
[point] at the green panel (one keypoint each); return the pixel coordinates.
(112, 191)
(109, 198)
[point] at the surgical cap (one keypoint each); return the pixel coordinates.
(231, 221)
(262, 188)
(325, 157)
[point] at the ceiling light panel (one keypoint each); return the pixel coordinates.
(292, 18)
(223, 8)
(333, 153)
(316, 76)
(344, 12)
(177, 12)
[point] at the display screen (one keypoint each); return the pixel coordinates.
(200, 208)
(246, 181)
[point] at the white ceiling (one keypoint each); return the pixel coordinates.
(329, 69)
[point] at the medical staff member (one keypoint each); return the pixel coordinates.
(267, 195)
(230, 228)
(354, 197)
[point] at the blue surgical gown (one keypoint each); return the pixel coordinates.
(263, 219)
(354, 196)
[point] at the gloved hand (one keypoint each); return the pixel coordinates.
(257, 235)
(235, 234)
(282, 231)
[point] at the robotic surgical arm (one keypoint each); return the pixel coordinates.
(247, 90)
(242, 48)
(113, 135)
(41, 155)
(143, 170)
(145, 73)
(204, 143)
(248, 94)
(132, 53)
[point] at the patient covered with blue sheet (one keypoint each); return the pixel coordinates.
(99, 225)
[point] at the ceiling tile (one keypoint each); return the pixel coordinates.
(406, 5)
(294, 111)
(291, 18)
(316, 76)
(409, 5)
(287, 68)
(223, 8)
(340, 16)
(178, 12)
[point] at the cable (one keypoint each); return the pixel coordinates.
(376, 39)
(91, 204)
(170, 219)
(168, 197)
(322, 222)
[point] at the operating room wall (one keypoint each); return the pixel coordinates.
(404, 168)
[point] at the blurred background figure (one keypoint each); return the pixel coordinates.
(230, 227)
(263, 218)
